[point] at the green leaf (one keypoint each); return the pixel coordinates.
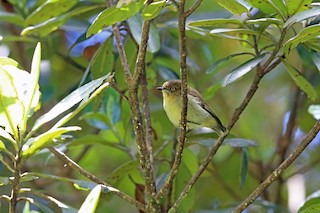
(4, 180)
(153, 10)
(7, 136)
(72, 99)
(135, 24)
(103, 59)
(91, 202)
(122, 172)
(2, 146)
(314, 110)
(12, 18)
(113, 15)
(32, 96)
(215, 67)
(265, 21)
(240, 142)
(11, 108)
(231, 30)
(281, 7)
(300, 81)
(296, 6)
(50, 9)
(302, 16)
(265, 6)
(304, 35)
(244, 166)
(233, 6)
(214, 22)
(44, 28)
(84, 103)
(316, 59)
(8, 61)
(35, 144)
(243, 69)
(312, 203)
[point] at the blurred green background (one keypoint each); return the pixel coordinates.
(106, 145)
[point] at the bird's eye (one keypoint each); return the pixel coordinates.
(172, 89)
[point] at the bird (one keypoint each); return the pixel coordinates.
(199, 113)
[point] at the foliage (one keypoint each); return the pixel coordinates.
(88, 108)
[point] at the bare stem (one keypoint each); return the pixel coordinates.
(65, 159)
(281, 168)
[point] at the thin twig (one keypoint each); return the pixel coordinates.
(281, 168)
(193, 8)
(184, 86)
(61, 156)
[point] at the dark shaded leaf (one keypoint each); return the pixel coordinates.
(244, 166)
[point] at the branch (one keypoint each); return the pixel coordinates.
(235, 117)
(65, 159)
(184, 86)
(193, 8)
(278, 171)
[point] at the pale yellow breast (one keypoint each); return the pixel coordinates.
(172, 106)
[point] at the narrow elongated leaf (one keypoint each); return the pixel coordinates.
(46, 27)
(50, 9)
(265, 21)
(32, 93)
(302, 16)
(295, 6)
(35, 144)
(12, 18)
(214, 67)
(231, 30)
(304, 35)
(214, 22)
(233, 6)
(243, 69)
(84, 103)
(301, 82)
(69, 101)
(244, 166)
(153, 10)
(314, 110)
(11, 108)
(91, 202)
(113, 15)
(240, 142)
(135, 24)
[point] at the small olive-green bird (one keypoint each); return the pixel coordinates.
(199, 114)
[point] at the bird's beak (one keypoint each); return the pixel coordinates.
(160, 88)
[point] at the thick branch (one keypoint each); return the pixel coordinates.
(65, 159)
(278, 171)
